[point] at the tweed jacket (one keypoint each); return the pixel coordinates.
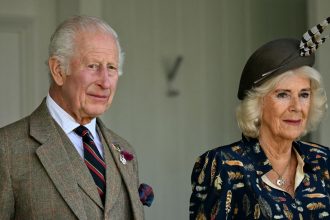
(42, 176)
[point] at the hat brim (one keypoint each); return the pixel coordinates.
(293, 64)
(270, 60)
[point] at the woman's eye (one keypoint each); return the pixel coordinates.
(305, 95)
(282, 95)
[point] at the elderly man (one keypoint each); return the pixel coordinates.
(61, 162)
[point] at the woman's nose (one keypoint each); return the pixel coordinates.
(295, 104)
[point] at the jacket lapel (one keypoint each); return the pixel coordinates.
(126, 172)
(113, 178)
(55, 159)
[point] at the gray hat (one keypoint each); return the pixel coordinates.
(279, 56)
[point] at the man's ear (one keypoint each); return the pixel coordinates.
(56, 71)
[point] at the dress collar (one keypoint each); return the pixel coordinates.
(262, 164)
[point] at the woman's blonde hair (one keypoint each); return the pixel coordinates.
(248, 112)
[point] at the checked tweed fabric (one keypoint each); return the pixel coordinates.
(93, 159)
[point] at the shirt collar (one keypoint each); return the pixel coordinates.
(66, 121)
(310, 154)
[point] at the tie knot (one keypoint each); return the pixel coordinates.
(81, 130)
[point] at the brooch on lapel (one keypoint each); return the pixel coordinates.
(124, 156)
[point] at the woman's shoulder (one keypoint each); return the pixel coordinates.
(311, 148)
(216, 162)
(233, 151)
(314, 154)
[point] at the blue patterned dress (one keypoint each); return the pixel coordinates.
(227, 184)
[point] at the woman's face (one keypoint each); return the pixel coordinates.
(285, 109)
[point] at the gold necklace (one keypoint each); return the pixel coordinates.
(280, 181)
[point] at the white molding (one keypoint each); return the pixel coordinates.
(24, 28)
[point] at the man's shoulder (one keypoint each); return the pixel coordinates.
(113, 136)
(21, 127)
(117, 138)
(12, 127)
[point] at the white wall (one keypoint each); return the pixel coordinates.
(215, 38)
(25, 27)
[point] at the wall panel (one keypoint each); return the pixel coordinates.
(214, 38)
(15, 48)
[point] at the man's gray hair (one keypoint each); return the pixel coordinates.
(62, 42)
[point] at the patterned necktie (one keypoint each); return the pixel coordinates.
(93, 159)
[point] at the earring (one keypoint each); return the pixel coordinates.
(256, 122)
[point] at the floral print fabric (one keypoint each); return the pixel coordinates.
(227, 184)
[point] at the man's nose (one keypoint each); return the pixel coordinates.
(104, 78)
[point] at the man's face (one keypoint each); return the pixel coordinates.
(91, 80)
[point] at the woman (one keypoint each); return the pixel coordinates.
(270, 173)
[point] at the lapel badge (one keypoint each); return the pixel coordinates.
(124, 156)
(122, 159)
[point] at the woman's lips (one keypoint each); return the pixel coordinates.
(293, 122)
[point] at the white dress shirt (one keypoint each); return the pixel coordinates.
(68, 124)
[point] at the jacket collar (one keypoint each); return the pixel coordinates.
(54, 158)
